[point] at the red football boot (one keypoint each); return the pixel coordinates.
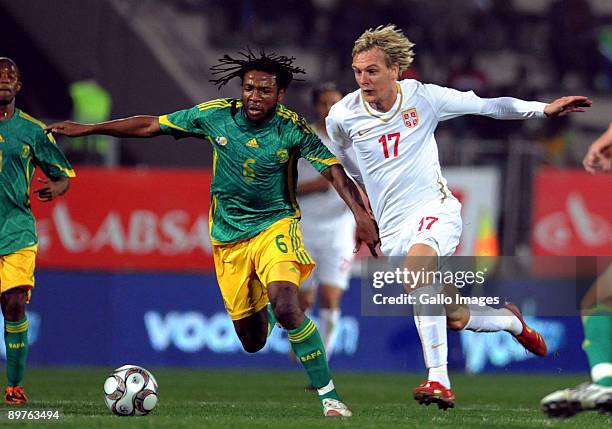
(15, 395)
(432, 392)
(528, 338)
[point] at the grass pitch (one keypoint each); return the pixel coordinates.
(268, 399)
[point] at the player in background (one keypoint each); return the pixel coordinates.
(254, 216)
(597, 322)
(23, 146)
(328, 228)
(388, 128)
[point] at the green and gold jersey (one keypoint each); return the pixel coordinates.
(254, 168)
(23, 147)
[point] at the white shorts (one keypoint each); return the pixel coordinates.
(332, 250)
(436, 224)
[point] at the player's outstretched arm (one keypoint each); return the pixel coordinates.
(367, 230)
(599, 156)
(564, 105)
(52, 188)
(136, 126)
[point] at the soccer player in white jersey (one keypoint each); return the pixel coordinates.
(328, 231)
(383, 134)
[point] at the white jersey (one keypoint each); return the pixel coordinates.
(328, 230)
(319, 208)
(395, 155)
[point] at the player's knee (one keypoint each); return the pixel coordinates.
(285, 304)
(457, 317)
(286, 312)
(306, 301)
(14, 304)
(330, 296)
(14, 310)
(456, 323)
(330, 304)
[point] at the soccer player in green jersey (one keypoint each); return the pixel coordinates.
(254, 215)
(596, 309)
(23, 145)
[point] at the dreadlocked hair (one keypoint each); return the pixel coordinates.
(279, 65)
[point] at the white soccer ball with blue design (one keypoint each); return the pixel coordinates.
(130, 391)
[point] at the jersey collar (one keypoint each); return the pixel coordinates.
(397, 106)
(16, 114)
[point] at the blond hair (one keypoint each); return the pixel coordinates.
(396, 47)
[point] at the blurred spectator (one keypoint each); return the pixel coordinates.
(411, 73)
(264, 23)
(466, 76)
(493, 23)
(91, 103)
(284, 22)
(520, 87)
(235, 14)
(604, 37)
(573, 40)
(348, 20)
(450, 27)
(554, 138)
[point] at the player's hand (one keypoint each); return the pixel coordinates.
(68, 128)
(564, 105)
(367, 232)
(50, 190)
(598, 158)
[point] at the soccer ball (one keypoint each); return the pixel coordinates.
(130, 390)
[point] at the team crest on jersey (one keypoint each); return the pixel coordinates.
(221, 141)
(25, 151)
(252, 143)
(283, 155)
(411, 117)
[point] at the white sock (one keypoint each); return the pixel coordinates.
(432, 330)
(439, 374)
(430, 321)
(328, 324)
(489, 319)
(601, 370)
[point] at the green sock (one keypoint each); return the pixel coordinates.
(308, 347)
(271, 319)
(16, 341)
(598, 344)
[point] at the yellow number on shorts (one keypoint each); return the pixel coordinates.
(280, 244)
(247, 171)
